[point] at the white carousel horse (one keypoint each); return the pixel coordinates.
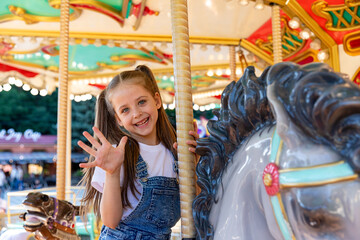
(282, 159)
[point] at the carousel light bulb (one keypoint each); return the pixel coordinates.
(315, 44)
(196, 107)
(150, 44)
(123, 44)
(305, 34)
(244, 2)
(11, 80)
(71, 96)
(322, 55)
(202, 108)
(33, 40)
(164, 106)
(111, 43)
(163, 45)
(250, 57)
(203, 47)
(294, 23)
(72, 41)
(219, 72)
(217, 48)
(43, 92)
(238, 71)
(18, 83)
(97, 43)
(228, 71)
(26, 87)
(34, 91)
(137, 44)
(259, 4)
(6, 87)
(20, 39)
(210, 73)
(84, 42)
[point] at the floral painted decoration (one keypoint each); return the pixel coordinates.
(271, 179)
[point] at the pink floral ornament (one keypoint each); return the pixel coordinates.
(271, 179)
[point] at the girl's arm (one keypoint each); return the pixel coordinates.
(111, 208)
(110, 159)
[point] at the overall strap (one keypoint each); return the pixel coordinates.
(141, 169)
(176, 164)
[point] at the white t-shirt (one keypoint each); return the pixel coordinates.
(159, 161)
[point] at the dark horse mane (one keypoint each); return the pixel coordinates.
(323, 104)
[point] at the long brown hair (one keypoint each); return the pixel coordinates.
(106, 122)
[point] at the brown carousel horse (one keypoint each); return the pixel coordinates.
(49, 218)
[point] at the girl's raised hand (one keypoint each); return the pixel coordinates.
(107, 157)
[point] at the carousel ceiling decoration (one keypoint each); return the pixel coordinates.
(35, 11)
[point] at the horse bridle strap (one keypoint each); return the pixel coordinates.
(275, 179)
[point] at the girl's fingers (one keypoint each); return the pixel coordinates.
(86, 148)
(195, 126)
(191, 149)
(194, 134)
(92, 140)
(88, 165)
(122, 143)
(191, 142)
(99, 134)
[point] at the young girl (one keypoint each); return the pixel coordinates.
(131, 178)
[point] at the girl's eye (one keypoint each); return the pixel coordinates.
(124, 110)
(142, 101)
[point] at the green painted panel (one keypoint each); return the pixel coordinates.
(347, 16)
(117, 4)
(334, 17)
(33, 7)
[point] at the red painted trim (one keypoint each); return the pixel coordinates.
(7, 68)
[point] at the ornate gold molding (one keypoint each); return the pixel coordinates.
(256, 50)
(354, 78)
(18, 13)
(309, 53)
(347, 43)
(335, 14)
(293, 8)
(289, 45)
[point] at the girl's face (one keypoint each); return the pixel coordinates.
(137, 111)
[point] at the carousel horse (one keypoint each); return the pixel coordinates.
(283, 158)
(49, 218)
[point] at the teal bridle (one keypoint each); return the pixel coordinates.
(275, 179)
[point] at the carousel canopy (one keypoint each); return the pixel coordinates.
(109, 36)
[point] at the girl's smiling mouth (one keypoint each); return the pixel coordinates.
(143, 122)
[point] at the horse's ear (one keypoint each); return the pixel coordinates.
(76, 210)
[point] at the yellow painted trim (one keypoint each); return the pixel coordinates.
(127, 37)
(293, 8)
(354, 77)
(256, 50)
(320, 183)
(346, 42)
(97, 4)
(115, 67)
(20, 14)
(322, 9)
(307, 53)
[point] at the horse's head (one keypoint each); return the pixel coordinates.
(52, 218)
(318, 120)
(309, 188)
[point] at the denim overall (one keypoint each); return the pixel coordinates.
(157, 211)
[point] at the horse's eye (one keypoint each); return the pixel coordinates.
(45, 198)
(314, 222)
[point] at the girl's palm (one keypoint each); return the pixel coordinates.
(107, 157)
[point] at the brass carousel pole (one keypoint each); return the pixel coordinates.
(232, 63)
(276, 32)
(62, 101)
(184, 113)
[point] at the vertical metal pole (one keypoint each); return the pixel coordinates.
(184, 114)
(276, 32)
(232, 63)
(62, 100)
